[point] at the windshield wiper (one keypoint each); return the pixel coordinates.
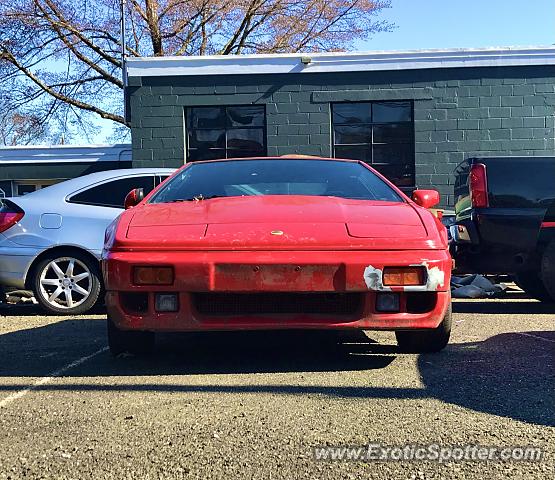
(196, 198)
(211, 197)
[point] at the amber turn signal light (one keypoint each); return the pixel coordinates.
(403, 276)
(153, 275)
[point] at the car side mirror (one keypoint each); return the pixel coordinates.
(426, 198)
(134, 197)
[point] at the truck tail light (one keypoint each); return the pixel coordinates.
(153, 275)
(10, 214)
(403, 276)
(478, 186)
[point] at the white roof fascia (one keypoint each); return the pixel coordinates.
(339, 62)
(40, 154)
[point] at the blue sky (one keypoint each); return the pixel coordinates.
(465, 23)
(453, 23)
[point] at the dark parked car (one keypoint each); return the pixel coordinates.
(505, 220)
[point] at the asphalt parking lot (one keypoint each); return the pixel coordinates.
(243, 405)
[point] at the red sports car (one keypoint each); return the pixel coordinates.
(277, 243)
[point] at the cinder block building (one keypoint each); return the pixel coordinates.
(413, 115)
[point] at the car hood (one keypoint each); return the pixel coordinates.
(270, 209)
(277, 222)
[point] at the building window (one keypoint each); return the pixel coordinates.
(24, 187)
(226, 132)
(378, 133)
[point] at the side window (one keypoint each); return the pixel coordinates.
(112, 193)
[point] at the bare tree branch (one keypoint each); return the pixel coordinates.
(60, 60)
(75, 31)
(72, 46)
(152, 21)
(64, 98)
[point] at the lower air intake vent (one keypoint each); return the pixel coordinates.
(214, 304)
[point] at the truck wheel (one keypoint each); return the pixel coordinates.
(426, 341)
(548, 271)
(132, 341)
(531, 282)
(67, 284)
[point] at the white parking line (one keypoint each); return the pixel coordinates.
(49, 378)
(538, 337)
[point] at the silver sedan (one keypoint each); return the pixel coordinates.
(51, 240)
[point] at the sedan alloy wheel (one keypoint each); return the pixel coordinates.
(67, 284)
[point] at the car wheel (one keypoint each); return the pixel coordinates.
(67, 284)
(426, 341)
(531, 282)
(548, 271)
(129, 341)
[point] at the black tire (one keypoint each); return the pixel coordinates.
(548, 271)
(531, 282)
(132, 341)
(74, 285)
(426, 341)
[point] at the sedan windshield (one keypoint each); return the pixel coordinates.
(236, 178)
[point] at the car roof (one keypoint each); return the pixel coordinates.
(69, 186)
(292, 156)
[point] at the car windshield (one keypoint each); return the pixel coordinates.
(237, 178)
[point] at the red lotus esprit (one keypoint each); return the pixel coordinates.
(277, 243)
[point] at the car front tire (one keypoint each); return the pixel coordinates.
(426, 341)
(67, 284)
(129, 341)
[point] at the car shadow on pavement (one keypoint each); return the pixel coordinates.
(509, 375)
(268, 352)
(36, 352)
(20, 310)
(33, 310)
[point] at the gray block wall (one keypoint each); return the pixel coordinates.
(458, 113)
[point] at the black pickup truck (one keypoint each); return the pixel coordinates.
(505, 220)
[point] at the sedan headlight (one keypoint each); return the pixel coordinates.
(110, 236)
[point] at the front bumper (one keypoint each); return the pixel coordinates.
(275, 272)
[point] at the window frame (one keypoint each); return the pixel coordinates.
(371, 143)
(160, 177)
(225, 149)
